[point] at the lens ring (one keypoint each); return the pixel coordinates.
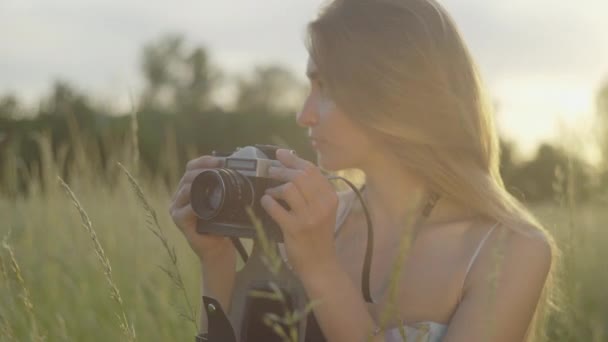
(248, 181)
(233, 194)
(237, 179)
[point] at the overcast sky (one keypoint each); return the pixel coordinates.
(541, 59)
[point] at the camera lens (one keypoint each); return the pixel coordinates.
(218, 192)
(214, 196)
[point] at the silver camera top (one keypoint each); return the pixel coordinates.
(249, 161)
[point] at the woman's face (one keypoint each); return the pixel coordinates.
(338, 141)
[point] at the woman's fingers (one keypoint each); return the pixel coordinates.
(289, 193)
(204, 162)
(291, 160)
(276, 211)
(188, 178)
(183, 196)
(194, 167)
(184, 218)
(309, 181)
(283, 174)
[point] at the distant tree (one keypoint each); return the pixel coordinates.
(9, 106)
(64, 100)
(157, 57)
(178, 79)
(269, 90)
(535, 179)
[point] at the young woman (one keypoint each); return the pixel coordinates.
(395, 93)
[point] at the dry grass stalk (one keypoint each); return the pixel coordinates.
(126, 327)
(134, 134)
(273, 261)
(24, 295)
(498, 256)
(3, 271)
(405, 242)
(6, 331)
(48, 167)
(271, 257)
(154, 226)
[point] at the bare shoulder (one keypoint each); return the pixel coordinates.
(515, 253)
(504, 286)
(528, 250)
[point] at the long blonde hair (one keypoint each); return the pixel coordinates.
(401, 70)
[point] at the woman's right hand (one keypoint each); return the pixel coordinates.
(204, 245)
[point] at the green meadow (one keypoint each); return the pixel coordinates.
(101, 262)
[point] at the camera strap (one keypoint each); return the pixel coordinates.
(367, 262)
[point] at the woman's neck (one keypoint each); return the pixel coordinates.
(392, 195)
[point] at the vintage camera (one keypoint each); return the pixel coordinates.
(219, 196)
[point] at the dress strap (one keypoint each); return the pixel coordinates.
(477, 250)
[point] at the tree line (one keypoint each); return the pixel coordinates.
(180, 114)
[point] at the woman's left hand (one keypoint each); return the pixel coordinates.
(308, 228)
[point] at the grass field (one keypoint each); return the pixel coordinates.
(54, 287)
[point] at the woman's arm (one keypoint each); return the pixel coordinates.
(217, 281)
(217, 254)
(308, 235)
(500, 301)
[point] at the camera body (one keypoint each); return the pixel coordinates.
(219, 196)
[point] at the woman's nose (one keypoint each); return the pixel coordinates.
(308, 115)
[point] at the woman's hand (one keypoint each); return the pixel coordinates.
(308, 228)
(181, 211)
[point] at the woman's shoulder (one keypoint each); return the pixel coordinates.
(514, 252)
(506, 281)
(509, 238)
(513, 241)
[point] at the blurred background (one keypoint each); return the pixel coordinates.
(85, 85)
